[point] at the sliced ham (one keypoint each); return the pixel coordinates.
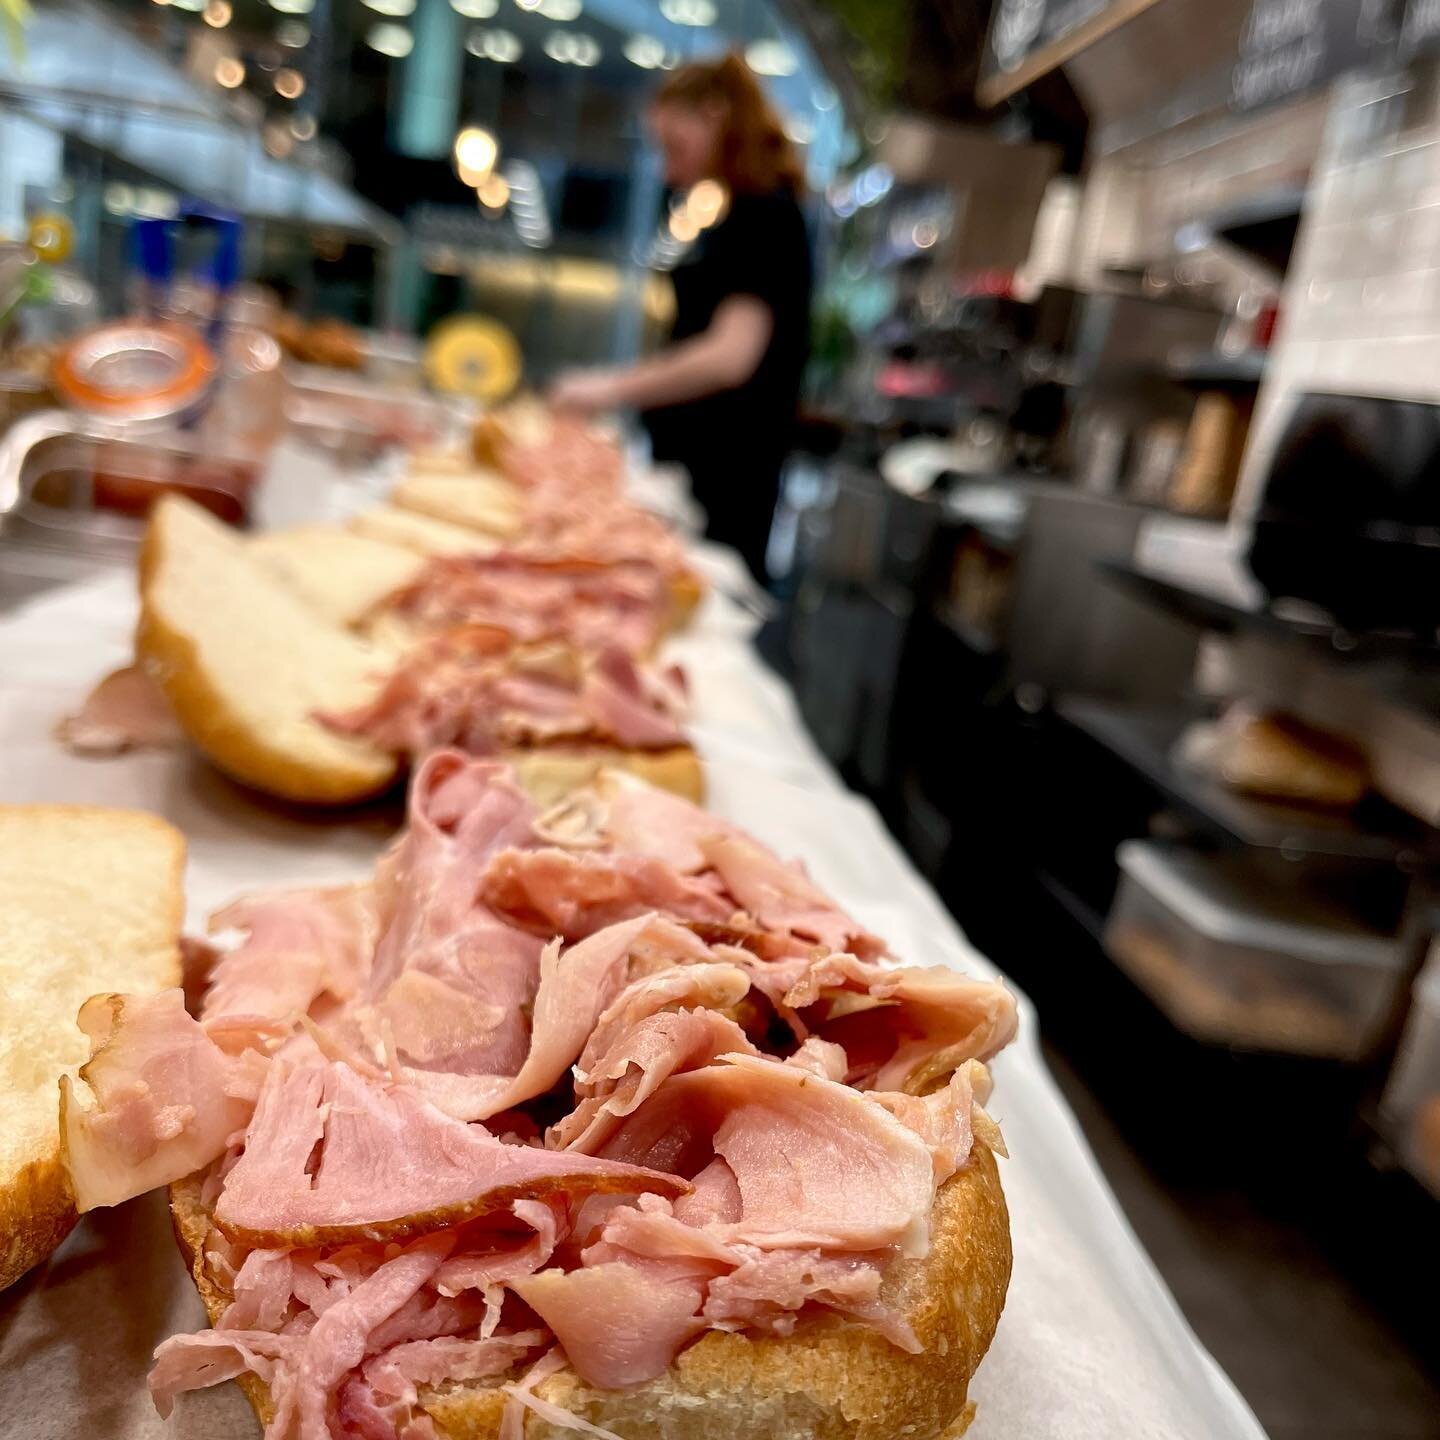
(701, 983)
(127, 710)
(945, 1119)
(647, 1054)
(396, 1375)
(782, 897)
(639, 819)
(576, 985)
(156, 1101)
(478, 1271)
(330, 1157)
(619, 1324)
(194, 1362)
(903, 1028)
(822, 1058)
(576, 894)
(299, 945)
(816, 1163)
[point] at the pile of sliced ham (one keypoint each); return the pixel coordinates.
(551, 1089)
(472, 687)
(586, 605)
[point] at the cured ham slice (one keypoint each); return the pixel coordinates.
(330, 1158)
(782, 897)
(395, 1376)
(157, 1100)
(575, 987)
(620, 1324)
(903, 1029)
(541, 597)
(127, 710)
(490, 1267)
(467, 686)
(576, 894)
(946, 1120)
(816, 1163)
(300, 944)
(652, 1050)
(702, 983)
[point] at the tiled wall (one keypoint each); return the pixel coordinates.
(1360, 310)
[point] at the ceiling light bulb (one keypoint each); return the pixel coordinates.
(688, 12)
(494, 192)
(705, 202)
(389, 39)
(561, 10)
(397, 9)
(218, 13)
(499, 45)
(229, 72)
(293, 34)
(475, 9)
(771, 57)
(293, 7)
(289, 83)
(645, 51)
(476, 151)
(303, 127)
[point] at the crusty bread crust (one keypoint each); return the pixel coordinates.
(828, 1381)
(135, 936)
(37, 1212)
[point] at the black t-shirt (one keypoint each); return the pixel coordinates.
(759, 248)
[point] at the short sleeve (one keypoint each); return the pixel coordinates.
(758, 250)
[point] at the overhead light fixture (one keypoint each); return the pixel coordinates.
(647, 52)
(494, 192)
(293, 34)
(229, 72)
(569, 48)
(397, 9)
(771, 57)
(688, 12)
(799, 130)
(218, 14)
(501, 46)
(293, 7)
(389, 39)
(475, 9)
(684, 226)
(823, 97)
(278, 141)
(303, 127)
(476, 151)
(704, 202)
(193, 6)
(289, 83)
(561, 10)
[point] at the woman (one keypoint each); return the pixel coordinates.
(720, 399)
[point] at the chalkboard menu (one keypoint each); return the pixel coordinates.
(1290, 46)
(1020, 28)
(1285, 48)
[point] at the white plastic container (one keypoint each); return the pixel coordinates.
(1410, 1106)
(1234, 959)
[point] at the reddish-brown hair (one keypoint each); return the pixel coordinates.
(755, 155)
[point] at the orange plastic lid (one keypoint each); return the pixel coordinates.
(134, 370)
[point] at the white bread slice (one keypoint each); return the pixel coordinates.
(245, 662)
(422, 533)
(343, 574)
(828, 1381)
(481, 501)
(92, 902)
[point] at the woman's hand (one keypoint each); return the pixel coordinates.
(586, 391)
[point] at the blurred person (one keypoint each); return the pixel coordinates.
(720, 398)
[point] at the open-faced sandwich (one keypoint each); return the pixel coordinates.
(604, 1119)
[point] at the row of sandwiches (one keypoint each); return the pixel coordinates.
(586, 1111)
